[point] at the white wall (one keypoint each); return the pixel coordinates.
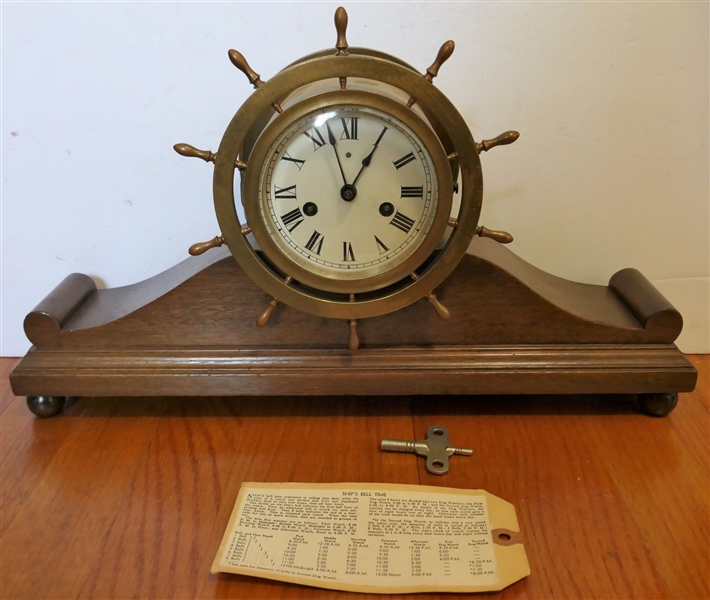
(611, 99)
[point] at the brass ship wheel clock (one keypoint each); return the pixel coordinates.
(360, 190)
(348, 163)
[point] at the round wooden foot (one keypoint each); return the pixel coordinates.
(45, 406)
(657, 405)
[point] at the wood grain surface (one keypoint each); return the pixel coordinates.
(211, 302)
(129, 497)
(191, 331)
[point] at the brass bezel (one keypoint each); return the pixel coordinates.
(253, 185)
(263, 120)
(333, 67)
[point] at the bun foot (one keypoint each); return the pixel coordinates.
(657, 405)
(46, 406)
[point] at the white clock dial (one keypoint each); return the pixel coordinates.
(348, 192)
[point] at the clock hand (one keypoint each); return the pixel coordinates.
(368, 158)
(331, 139)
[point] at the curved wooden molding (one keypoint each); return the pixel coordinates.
(513, 329)
(494, 297)
(410, 371)
(639, 299)
(79, 291)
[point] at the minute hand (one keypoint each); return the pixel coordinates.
(331, 139)
(368, 158)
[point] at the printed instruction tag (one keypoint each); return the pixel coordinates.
(374, 537)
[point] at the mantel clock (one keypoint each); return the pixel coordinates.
(348, 163)
(348, 189)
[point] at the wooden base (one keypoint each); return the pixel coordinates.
(132, 495)
(191, 331)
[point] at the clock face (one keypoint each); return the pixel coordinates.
(348, 193)
(365, 240)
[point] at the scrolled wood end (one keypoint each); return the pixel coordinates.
(647, 304)
(50, 315)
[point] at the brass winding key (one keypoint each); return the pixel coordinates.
(435, 448)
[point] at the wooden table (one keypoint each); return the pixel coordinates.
(129, 497)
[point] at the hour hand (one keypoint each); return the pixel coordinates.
(368, 158)
(365, 163)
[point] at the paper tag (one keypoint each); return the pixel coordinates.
(374, 538)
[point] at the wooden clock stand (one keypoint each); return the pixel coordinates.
(514, 329)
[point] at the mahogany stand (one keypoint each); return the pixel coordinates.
(190, 331)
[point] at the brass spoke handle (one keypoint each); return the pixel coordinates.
(502, 237)
(353, 338)
(503, 139)
(341, 24)
(202, 247)
(206, 155)
(440, 309)
(238, 60)
(192, 152)
(445, 52)
(265, 315)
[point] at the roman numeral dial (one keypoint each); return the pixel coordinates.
(404, 161)
(412, 191)
(381, 248)
(348, 193)
(315, 243)
(285, 193)
(296, 161)
(349, 128)
(292, 219)
(348, 255)
(315, 136)
(402, 222)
